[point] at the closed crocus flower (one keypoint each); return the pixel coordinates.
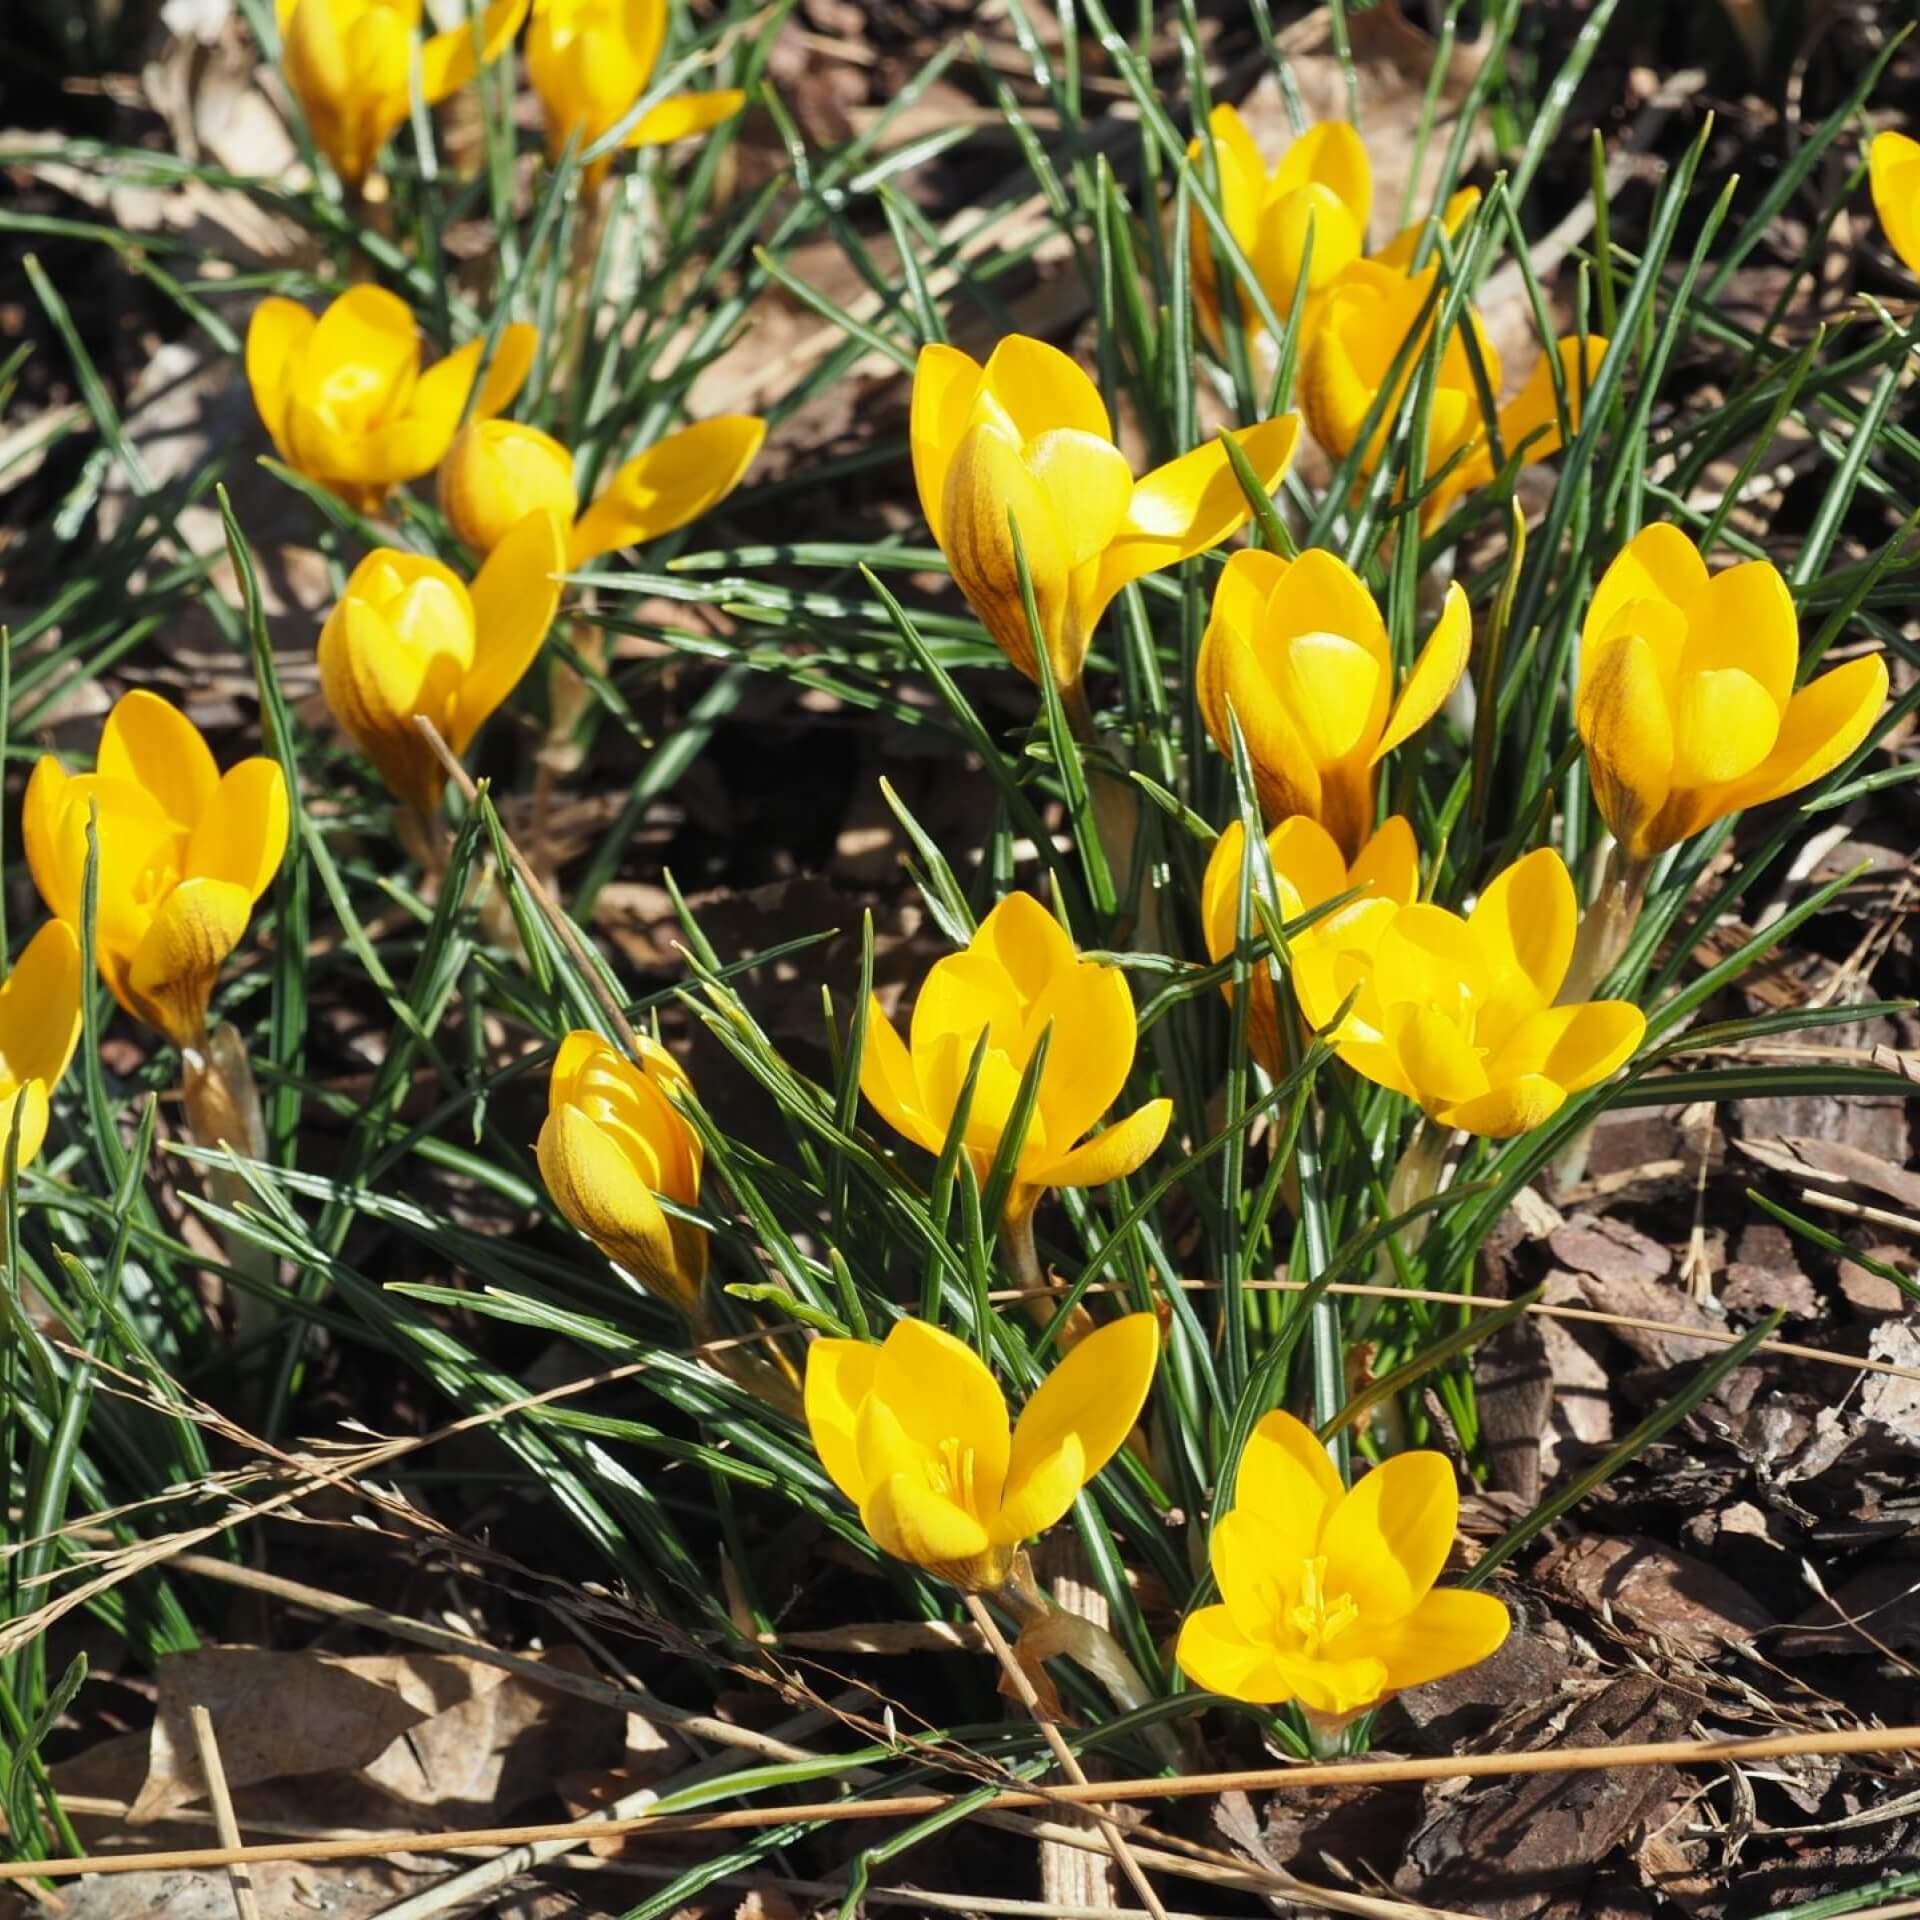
(914, 1432)
(1327, 1595)
(1458, 1013)
(185, 853)
(1686, 700)
(498, 471)
(409, 638)
(344, 397)
(39, 1029)
(1308, 869)
(1027, 437)
(614, 1146)
(350, 65)
(591, 60)
(1298, 653)
(1017, 977)
(1893, 167)
(1364, 322)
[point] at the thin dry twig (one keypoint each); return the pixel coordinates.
(239, 1874)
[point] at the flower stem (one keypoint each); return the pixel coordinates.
(1607, 925)
(223, 1112)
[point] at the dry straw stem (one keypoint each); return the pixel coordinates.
(913, 1806)
(239, 1876)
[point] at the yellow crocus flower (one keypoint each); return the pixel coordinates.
(914, 1432)
(350, 63)
(1327, 1595)
(612, 1147)
(39, 1029)
(409, 638)
(1893, 171)
(1018, 977)
(1686, 698)
(498, 471)
(590, 60)
(185, 854)
(345, 400)
(1458, 1013)
(1298, 653)
(1308, 868)
(1027, 436)
(1366, 318)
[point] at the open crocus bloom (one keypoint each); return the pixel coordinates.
(1027, 436)
(408, 638)
(350, 64)
(590, 61)
(1297, 651)
(39, 1029)
(1459, 1014)
(185, 852)
(498, 471)
(1308, 868)
(1327, 1596)
(345, 400)
(612, 1146)
(1017, 977)
(1893, 169)
(914, 1432)
(1686, 701)
(1365, 320)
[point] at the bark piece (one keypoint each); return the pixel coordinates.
(1682, 1600)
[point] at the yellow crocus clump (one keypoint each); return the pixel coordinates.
(612, 1147)
(914, 1432)
(1893, 171)
(409, 638)
(350, 63)
(1686, 699)
(1458, 1013)
(590, 61)
(344, 397)
(1308, 869)
(185, 853)
(1298, 653)
(1365, 319)
(1027, 438)
(1017, 978)
(39, 1029)
(1327, 1595)
(498, 471)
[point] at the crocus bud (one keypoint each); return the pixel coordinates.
(914, 1432)
(613, 1146)
(39, 1029)
(350, 63)
(185, 853)
(408, 638)
(1458, 1013)
(1686, 700)
(344, 397)
(1026, 439)
(591, 60)
(1297, 652)
(496, 473)
(1893, 169)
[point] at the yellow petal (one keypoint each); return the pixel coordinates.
(675, 481)
(1281, 243)
(1332, 156)
(1525, 921)
(362, 359)
(1088, 483)
(1448, 1630)
(1438, 1060)
(1629, 735)
(1743, 617)
(1435, 673)
(1220, 891)
(1398, 252)
(599, 1189)
(1577, 1046)
(945, 384)
(1430, 956)
(1307, 862)
(1334, 1687)
(1320, 593)
(178, 961)
(839, 1378)
(685, 114)
(496, 473)
(1287, 1485)
(1724, 725)
(1077, 1420)
(1030, 388)
(1893, 166)
(1510, 1107)
(447, 60)
(371, 687)
(1386, 1542)
(154, 746)
(1825, 721)
(1119, 1150)
(515, 596)
(40, 1007)
(242, 836)
(887, 1078)
(277, 337)
(1534, 410)
(1215, 1655)
(1658, 563)
(940, 1393)
(1388, 866)
(1236, 141)
(1256, 1572)
(1330, 688)
(913, 1523)
(23, 1123)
